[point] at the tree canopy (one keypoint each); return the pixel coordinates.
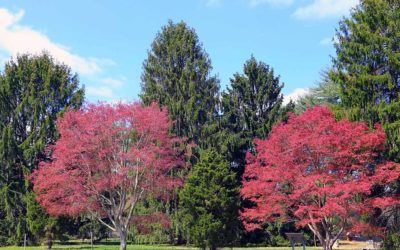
(321, 172)
(366, 66)
(210, 200)
(178, 74)
(107, 160)
(34, 91)
(249, 107)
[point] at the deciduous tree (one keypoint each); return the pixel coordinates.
(109, 157)
(320, 172)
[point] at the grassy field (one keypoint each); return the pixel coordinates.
(155, 247)
(344, 246)
(141, 247)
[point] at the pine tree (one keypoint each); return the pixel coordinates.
(249, 109)
(325, 93)
(210, 201)
(177, 74)
(34, 90)
(367, 66)
(367, 69)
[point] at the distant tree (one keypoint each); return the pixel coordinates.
(107, 160)
(250, 106)
(366, 67)
(34, 91)
(327, 92)
(177, 74)
(210, 201)
(320, 172)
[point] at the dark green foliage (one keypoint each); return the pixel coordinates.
(250, 107)
(367, 66)
(177, 74)
(392, 241)
(367, 69)
(210, 200)
(98, 230)
(34, 90)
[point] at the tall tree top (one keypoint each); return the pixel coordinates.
(34, 90)
(177, 74)
(256, 96)
(367, 66)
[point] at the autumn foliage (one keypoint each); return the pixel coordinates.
(109, 157)
(320, 172)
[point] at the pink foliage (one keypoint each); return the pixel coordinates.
(317, 170)
(108, 158)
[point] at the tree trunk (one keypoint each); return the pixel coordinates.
(328, 245)
(122, 237)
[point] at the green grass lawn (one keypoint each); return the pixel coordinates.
(113, 244)
(155, 247)
(141, 247)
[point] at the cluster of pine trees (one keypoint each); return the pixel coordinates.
(363, 84)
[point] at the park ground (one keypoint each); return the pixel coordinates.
(344, 246)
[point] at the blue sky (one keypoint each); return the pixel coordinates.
(105, 42)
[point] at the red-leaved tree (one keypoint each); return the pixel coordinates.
(319, 172)
(109, 157)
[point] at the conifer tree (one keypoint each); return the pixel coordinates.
(34, 90)
(177, 74)
(210, 201)
(325, 93)
(367, 69)
(367, 66)
(249, 108)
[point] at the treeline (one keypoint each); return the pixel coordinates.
(363, 84)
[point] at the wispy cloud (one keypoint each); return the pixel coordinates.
(255, 3)
(328, 41)
(112, 82)
(210, 3)
(295, 95)
(16, 38)
(319, 9)
(100, 91)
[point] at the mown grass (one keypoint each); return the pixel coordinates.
(151, 247)
(114, 245)
(141, 247)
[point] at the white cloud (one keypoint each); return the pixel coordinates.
(16, 38)
(213, 2)
(325, 8)
(295, 95)
(328, 41)
(112, 82)
(255, 3)
(101, 91)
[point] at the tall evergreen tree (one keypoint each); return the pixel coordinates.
(210, 201)
(249, 109)
(177, 74)
(34, 90)
(367, 69)
(367, 66)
